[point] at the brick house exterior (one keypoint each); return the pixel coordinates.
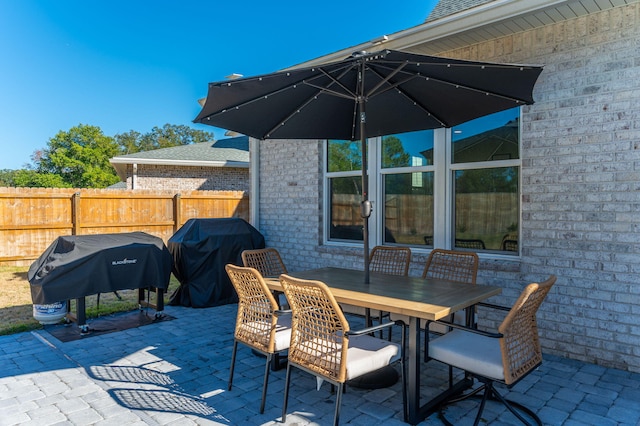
(209, 166)
(187, 178)
(580, 170)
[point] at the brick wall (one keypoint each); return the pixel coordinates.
(190, 178)
(580, 193)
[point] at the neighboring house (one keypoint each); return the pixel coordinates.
(221, 165)
(576, 178)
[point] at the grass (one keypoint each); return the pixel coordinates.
(16, 307)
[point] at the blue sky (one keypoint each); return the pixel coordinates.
(132, 65)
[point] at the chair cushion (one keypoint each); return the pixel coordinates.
(367, 354)
(283, 333)
(470, 352)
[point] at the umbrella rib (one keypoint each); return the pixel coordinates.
(329, 92)
(290, 86)
(386, 79)
(313, 97)
(459, 85)
(411, 76)
(337, 81)
(251, 101)
(405, 94)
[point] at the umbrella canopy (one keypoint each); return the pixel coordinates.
(367, 95)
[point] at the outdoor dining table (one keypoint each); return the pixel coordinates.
(417, 298)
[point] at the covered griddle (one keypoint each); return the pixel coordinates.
(201, 248)
(76, 266)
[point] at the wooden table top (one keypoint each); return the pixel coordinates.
(429, 298)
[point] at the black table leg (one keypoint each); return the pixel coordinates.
(413, 376)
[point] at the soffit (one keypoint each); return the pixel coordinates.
(481, 23)
(512, 21)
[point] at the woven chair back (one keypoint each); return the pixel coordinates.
(520, 345)
(318, 327)
(267, 261)
(452, 265)
(390, 260)
(255, 321)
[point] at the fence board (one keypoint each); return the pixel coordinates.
(32, 218)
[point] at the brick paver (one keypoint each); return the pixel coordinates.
(176, 372)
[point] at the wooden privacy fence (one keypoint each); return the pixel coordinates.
(488, 214)
(32, 218)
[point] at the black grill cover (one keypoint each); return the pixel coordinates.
(201, 248)
(75, 266)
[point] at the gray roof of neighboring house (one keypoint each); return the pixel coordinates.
(232, 152)
(449, 7)
(118, 185)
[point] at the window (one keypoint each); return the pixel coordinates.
(407, 188)
(453, 188)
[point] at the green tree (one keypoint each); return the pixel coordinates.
(6, 177)
(128, 142)
(393, 153)
(344, 156)
(160, 137)
(80, 157)
(499, 179)
(33, 179)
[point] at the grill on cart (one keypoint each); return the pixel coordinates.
(77, 266)
(201, 248)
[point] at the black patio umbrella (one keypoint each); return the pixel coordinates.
(367, 95)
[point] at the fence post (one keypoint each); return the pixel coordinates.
(177, 212)
(75, 205)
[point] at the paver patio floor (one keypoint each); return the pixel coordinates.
(176, 372)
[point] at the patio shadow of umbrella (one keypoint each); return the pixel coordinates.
(367, 95)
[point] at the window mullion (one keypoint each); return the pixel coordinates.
(375, 188)
(442, 187)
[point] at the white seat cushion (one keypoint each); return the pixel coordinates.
(470, 352)
(367, 354)
(283, 333)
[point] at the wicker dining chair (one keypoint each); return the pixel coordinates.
(383, 260)
(390, 260)
(451, 265)
(323, 344)
(259, 323)
(503, 357)
(267, 261)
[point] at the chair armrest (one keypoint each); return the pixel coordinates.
(369, 330)
(492, 306)
(468, 329)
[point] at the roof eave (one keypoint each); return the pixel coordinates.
(119, 163)
(480, 16)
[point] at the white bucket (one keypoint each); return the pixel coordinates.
(51, 313)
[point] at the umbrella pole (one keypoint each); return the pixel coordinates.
(365, 206)
(365, 212)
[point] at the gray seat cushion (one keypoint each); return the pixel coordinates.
(470, 352)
